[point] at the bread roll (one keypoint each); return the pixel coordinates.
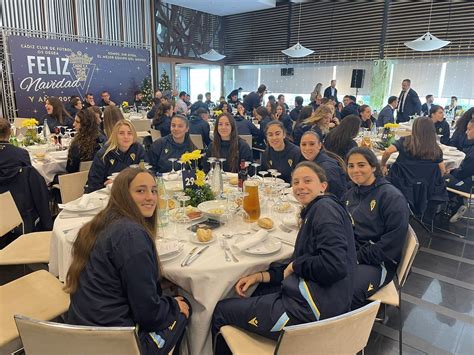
(234, 180)
(204, 235)
(265, 223)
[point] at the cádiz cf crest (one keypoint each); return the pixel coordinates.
(112, 161)
(290, 162)
(166, 150)
(372, 205)
(132, 156)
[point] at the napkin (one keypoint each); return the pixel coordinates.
(165, 248)
(291, 222)
(84, 201)
(251, 241)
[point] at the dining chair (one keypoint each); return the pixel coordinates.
(42, 337)
(85, 165)
(468, 197)
(29, 248)
(247, 138)
(155, 134)
(391, 294)
(197, 140)
(39, 295)
(344, 334)
(72, 185)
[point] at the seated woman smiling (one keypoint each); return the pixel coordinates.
(121, 151)
(317, 282)
(114, 278)
(380, 217)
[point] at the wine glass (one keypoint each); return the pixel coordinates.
(222, 160)
(275, 175)
(182, 217)
(211, 161)
(255, 170)
(272, 172)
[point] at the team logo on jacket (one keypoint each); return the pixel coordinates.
(132, 156)
(373, 203)
(290, 162)
(253, 322)
(270, 162)
(112, 161)
(166, 150)
(370, 288)
(172, 325)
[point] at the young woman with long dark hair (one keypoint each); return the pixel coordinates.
(421, 145)
(114, 278)
(227, 144)
(341, 139)
(316, 283)
(283, 117)
(56, 114)
(380, 218)
(86, 142)
(162, 119)
(112, 115)
(459, 139)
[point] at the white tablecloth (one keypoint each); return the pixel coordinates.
(206, 281)
(50, 166)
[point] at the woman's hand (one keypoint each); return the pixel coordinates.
(183, 306)
(245, 282)
(288, 271)
(109, 181)
(384, 170)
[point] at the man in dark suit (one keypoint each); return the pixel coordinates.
(453, 108)
(254, 99)
(408, 102)
(426, 107)
(386, 114)
(350, 106)
(331, 91)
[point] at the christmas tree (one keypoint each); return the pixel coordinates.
(147, 92)
(165, 84)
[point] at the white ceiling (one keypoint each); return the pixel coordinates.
(224, 7)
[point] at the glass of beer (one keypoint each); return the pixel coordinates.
(251, 200)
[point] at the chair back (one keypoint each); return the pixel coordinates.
(85, 165)
(408, 256)
(197, 140)
(344, 334)
(42, 337)
(71, 186)
(141, 125)
(247, 138)
(155, 134)
(10, 216)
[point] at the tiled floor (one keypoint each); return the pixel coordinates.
(438, 298)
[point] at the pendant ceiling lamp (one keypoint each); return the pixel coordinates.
(212, 54)
(427, 42)
(298, 50)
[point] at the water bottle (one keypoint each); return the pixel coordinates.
(163, 217)
(46, 131)
(217, 185)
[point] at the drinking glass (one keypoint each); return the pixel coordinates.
(251, 202)
(173, 174)
(255, 170)
(222, 160)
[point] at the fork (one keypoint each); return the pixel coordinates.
(227, 235)
(227, 257)
(227, 248)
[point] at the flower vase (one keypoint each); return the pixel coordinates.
(31, 136)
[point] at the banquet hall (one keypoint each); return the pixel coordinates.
(251, 177)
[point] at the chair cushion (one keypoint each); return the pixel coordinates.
(388, 295)
(38, 295)
(29, 248)
(243, 342)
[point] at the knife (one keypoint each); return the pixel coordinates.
(195, 256)
(285, 242)
(193, 250)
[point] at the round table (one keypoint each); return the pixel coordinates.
(53, 164)
(207, 280)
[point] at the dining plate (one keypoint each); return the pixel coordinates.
(268, 246)
(194, 239)
(213, 208)
(93, 204)
(256, 227)
(173, 255)
(192, 213)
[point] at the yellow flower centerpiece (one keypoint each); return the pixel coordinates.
(31, 134)
(125, 107)
(201, 191)
(388, 135)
